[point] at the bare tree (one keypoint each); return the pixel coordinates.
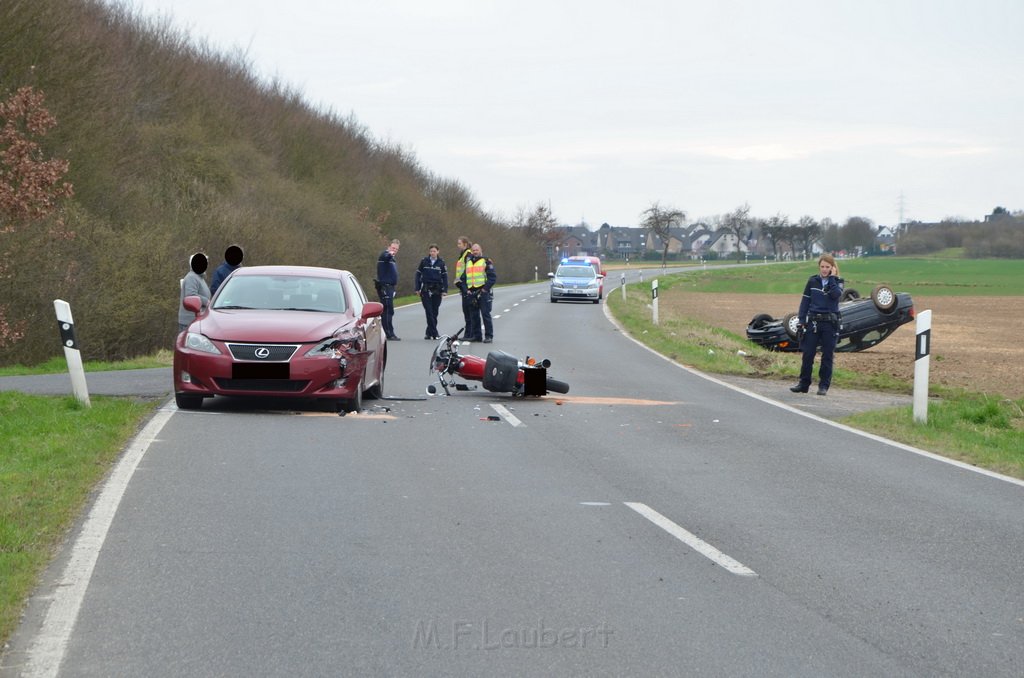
(739, 224)
(830, 236)
(542, 227)
(660, 221)
(857, 232)
(775, 229)
(803, 234)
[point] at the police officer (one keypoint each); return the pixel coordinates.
(460, 269)
(478, 279)
(819, 321)
(387, 278)
(431, 285)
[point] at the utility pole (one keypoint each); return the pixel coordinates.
(902, 204)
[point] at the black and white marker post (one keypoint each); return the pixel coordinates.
(71, 352)
(622, 285)
(922, 351)
(654, 299)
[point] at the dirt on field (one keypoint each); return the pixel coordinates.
(976, 341)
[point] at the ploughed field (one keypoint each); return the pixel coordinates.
(977, 342)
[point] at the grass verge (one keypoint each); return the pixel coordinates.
(53, 451)
(981, 430)
(57, 364)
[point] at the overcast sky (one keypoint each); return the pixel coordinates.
(823, 108)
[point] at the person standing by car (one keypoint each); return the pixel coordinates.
(385, 282)
(460, 269)
(431, 285)
(232, 260)
(479, 278)
(193, 285)
(819, 320)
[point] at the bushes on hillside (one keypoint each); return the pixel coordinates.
(172, 149)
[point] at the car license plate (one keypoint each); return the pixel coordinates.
(259, 371)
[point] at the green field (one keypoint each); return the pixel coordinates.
(982, 429)
(938, 276)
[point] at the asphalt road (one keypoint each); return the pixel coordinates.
(652, 522)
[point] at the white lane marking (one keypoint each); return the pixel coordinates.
(594, 503)
(47, 650)
(515, 304)
(691, 540)
(809, 415)
(507, 310)
(508, 416)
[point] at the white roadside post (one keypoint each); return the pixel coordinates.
(622, 285)
(71, 352)
(922, 352)
(536, 274)
(654, 298)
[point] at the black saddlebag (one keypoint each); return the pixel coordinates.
(501, 372)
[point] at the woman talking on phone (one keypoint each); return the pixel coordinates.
(819, 322)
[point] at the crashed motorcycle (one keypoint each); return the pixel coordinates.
(499, 372)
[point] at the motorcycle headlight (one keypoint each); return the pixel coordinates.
(199, 342)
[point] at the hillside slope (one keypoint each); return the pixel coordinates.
(175, 148)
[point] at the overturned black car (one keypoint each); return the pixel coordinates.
(862, 322)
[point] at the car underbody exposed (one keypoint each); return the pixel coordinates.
(863, 322)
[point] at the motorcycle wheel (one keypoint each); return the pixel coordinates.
(557, 386)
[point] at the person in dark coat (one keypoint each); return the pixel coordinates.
(385, 282)
(478, 279)
(232, 260)
(819, 321)
(432, 286)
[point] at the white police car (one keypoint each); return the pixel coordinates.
(575, 282)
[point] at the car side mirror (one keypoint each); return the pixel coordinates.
(372, 309)
(193, 303)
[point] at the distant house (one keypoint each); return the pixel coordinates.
(885, 239)
(580, 240)
(678, 241)
(621, 242)
(724, 244)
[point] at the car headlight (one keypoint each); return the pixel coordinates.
(199, 342)
(333, 348)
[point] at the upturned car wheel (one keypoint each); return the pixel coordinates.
(792, 324)
(760, 320)
(884, 298)
(849, 295)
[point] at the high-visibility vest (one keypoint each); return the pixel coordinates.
(460, 265)
(476, 273)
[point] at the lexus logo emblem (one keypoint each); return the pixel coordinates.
(263, 352)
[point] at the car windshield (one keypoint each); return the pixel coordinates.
(585, 272)
(284, 293)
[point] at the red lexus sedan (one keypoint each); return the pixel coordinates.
(283, 331)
